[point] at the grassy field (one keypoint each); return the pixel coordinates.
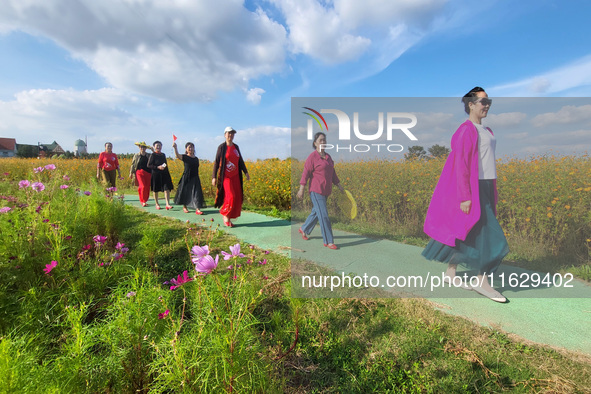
(93, 299)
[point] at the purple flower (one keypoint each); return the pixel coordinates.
(99, 239)
(24, 184)
(206, 264)
(87, 193)
(121, 248)
(38, 169)
(68, 237)
(235, 252)
(64, 187)
(198, 252)
(66, 178)
(5, 209)
(117, 256)
(50, 167)
(163, 315)
(38, 186)
(266, 252)
(49, 267)
(130, 294)
(179, 281)
(263, 262)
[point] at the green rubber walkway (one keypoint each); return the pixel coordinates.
(558, 315)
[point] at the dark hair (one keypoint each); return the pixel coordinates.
(469, 98)
(156, 142)
(108, 143)
(189, 143)
(316, 136)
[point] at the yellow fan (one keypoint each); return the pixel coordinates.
(353, 204)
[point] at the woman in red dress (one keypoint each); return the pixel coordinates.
(107, 165)
(227, 175)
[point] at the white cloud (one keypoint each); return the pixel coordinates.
(254, 95)
(175, 50)
(557, 82)
(506, 119)
(568, 114)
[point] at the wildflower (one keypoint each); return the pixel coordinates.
(117, 256)
(66, 178)
(5, 209)
(68, 237)
(130, 294)
(49, 267)
(112, 189)
(206, 264)
(199, 252)
(266, 252)
(235, 252)
(99, 239)
(50, 167)
(38, 186)
(38, 169)
(121, 248)
(64, 187)
(179, 281)
(263, 262)
(163, 315)
(24, 184)
(87, 193)
(251, 247)
(86, 247)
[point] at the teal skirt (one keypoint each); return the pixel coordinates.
(484, 247)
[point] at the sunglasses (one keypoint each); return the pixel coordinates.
(484, 101)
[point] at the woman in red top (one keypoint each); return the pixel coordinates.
(227, 174)
(107, 165)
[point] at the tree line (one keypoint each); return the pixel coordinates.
(417, 152)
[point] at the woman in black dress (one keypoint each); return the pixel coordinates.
(161, 180)
(189, 192)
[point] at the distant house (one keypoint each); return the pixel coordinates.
(7, 147)
(48, 150)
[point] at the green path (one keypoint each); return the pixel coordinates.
(558, 317)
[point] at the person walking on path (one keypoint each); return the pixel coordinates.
(107, 166)
(461, 216)
(189, 193)
(227, 175)
(319, 169)
(161, 180)
(140, 173)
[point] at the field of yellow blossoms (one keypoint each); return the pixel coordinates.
(544, 202)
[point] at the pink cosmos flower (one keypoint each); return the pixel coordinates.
(5, 209)
(66, 178)
(206, 264)
(49, 267)
(38, 186)
(198, 252)
(99, 239)
(38, 169)
(117, 256)
(121, 248)
(50, 167)
(130, 294)
(112, 189)
(64, 187)
(263, 262)
(24, 184)
(235, 252)
(179, 281)
(163, 315)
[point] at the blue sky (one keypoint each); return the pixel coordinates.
(129, 70)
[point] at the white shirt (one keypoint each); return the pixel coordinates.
(487, 144)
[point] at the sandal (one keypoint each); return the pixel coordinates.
(304, 236)
(185, 210)
(198, 212)
(331, 246)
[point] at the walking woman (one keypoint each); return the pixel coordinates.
(461, 219)
(227, 175)
(108, 165)
(319, 169)
(140, 173)
(161, 180)
(189, 192)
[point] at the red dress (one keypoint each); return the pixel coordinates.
(232, 190)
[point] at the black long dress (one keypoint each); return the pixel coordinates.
(161, 180)
(189, 192)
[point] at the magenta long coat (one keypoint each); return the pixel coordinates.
(445, 222)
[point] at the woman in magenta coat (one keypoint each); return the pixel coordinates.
(461, 219)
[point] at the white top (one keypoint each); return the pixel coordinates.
(487, 144)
